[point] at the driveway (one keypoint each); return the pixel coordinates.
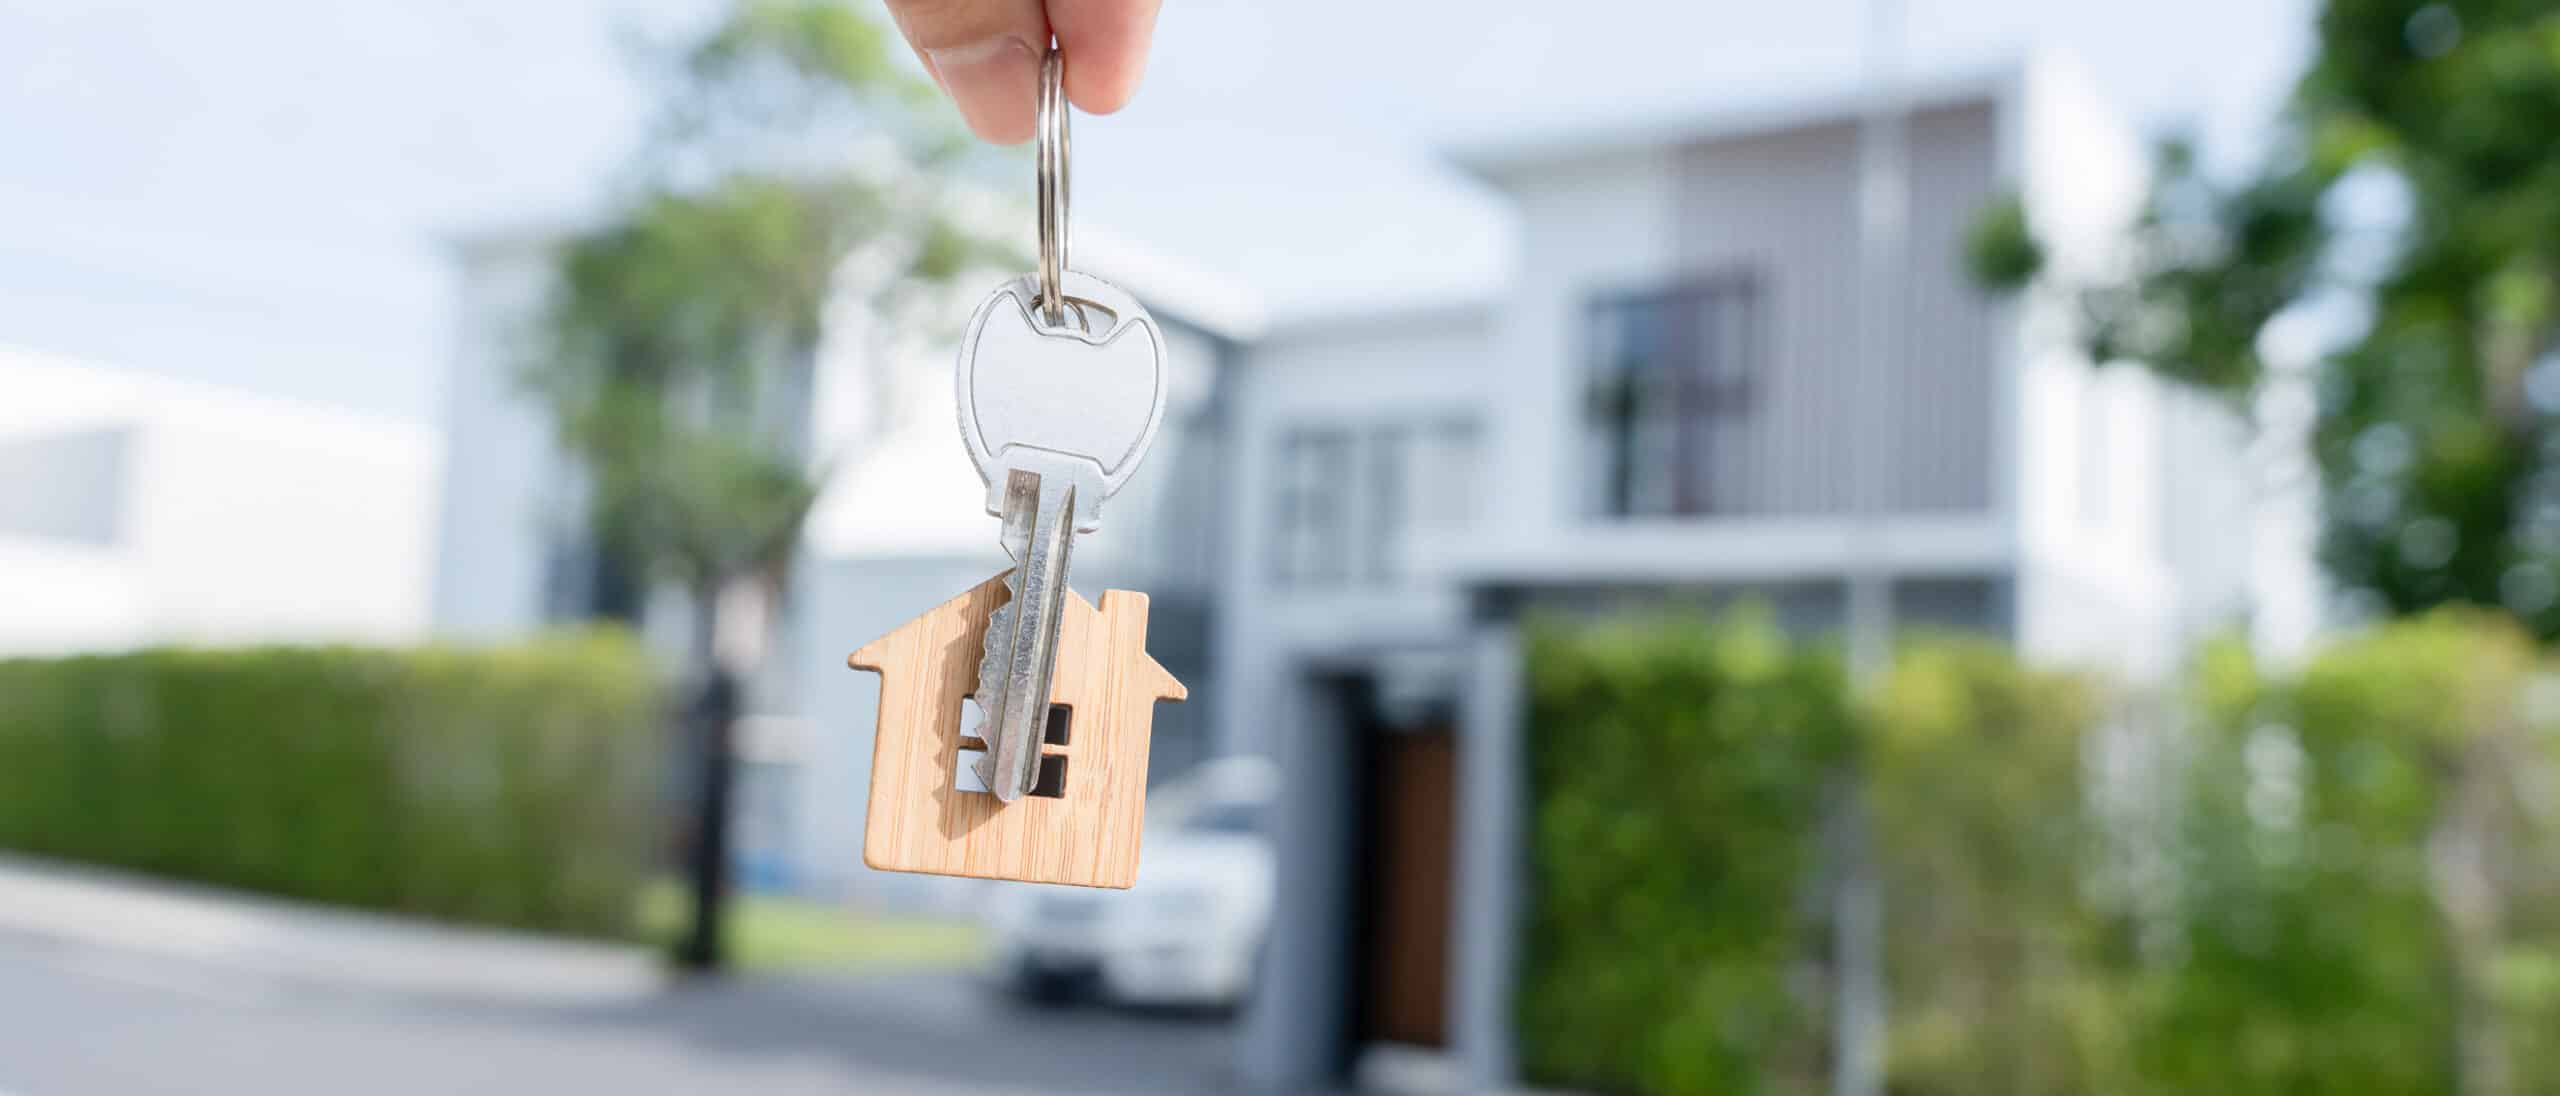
(77, 1022)
(118, 987)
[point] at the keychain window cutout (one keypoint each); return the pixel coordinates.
(964, 773)
(1053, 777)
(1052, 783)
(972, 717)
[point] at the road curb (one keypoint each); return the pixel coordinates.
(275, 939)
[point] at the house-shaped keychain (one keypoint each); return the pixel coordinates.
(1081, 824)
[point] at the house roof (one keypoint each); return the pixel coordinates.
(50, 392)
(1172, 287)
(1538, 143)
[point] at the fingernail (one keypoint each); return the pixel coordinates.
(996, 84)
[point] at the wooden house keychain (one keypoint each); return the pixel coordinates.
(1062, 387)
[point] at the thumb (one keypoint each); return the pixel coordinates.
(986, 54)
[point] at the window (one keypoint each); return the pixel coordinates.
(1351, 498)
(1313, 542)
(1671, 376)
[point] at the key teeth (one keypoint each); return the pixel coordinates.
(994, 654)
(985, 770)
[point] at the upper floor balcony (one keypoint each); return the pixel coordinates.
(1693, 411)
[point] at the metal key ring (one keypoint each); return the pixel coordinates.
(1053, 186)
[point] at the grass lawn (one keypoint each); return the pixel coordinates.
(772, 933)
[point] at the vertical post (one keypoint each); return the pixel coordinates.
(1883, 196)
(731, 628)
(715, 717)
(1493, 793)
(1297, 1032)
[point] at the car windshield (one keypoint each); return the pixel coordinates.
(1235, 818)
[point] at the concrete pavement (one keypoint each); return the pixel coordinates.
(282, 941)
(85, 1024)
(159, 990)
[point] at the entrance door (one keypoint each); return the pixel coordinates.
(1411, 810)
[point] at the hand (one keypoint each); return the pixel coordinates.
(986, 54)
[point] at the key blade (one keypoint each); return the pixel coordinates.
(1020, 514)
(1017, 663)
(995, 656)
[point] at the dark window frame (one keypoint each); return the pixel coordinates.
(1704, 390)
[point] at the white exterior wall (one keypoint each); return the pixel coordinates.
(1610, 221)
(1405, 369)
(501, 516)
(2093, 587)
(237, 519)
(2092, 471)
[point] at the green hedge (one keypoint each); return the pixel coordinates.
(509, 786)
(2340, 880)
(2002, 974)
(1679, 771)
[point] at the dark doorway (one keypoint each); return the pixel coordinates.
(1407, 814)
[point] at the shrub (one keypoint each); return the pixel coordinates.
(2340, 881)
(509, 786)
(2362, 856)
(1680, 770)
(2003, 974)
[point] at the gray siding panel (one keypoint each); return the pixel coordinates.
(1944, 446)
(1783, 206)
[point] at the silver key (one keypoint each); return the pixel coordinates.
(1056, 418)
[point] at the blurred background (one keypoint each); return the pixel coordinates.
(1853, 546)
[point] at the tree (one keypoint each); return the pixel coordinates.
(2417, 183)
(794, 164)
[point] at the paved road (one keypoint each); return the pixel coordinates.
(77, 1020)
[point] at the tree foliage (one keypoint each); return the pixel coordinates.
(2416, 185)
(683, 329)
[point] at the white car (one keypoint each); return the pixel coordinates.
(1188, 934)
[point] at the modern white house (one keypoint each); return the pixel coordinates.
(138, 509)
(1347, 516)
(1664, 407)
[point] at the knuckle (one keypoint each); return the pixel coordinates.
(943, 24)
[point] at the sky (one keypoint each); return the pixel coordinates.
(262, 193)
